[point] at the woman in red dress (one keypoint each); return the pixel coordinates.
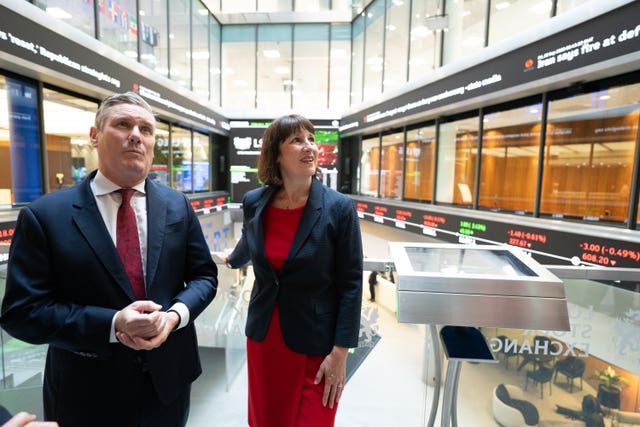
(303, 240)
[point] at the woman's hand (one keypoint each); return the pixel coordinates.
(334, 370)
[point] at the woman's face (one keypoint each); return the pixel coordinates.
(298, 156)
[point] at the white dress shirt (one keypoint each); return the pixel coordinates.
(108, 200)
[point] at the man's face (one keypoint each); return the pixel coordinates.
(125, 144)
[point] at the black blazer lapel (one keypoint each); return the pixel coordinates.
(87, 218)
(310, 217)
(156, 225)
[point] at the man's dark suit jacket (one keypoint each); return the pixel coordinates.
(65, 282)
(319, 290)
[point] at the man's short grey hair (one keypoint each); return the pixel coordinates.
(116, 99)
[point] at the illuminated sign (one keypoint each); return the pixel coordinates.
(548, 246)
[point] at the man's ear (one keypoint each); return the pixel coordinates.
(93, 136)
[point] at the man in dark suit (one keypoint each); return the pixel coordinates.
(118, 356)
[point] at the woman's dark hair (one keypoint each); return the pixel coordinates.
(276, 133)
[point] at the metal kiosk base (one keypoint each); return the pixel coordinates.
(461, 344)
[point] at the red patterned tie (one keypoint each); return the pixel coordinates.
(128, 243)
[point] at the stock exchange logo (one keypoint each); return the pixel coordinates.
(242, 143)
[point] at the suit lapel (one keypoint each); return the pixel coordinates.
(255, 225)
(156, 225)
(87, 218)
(310, 217)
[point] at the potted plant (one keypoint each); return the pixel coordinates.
(609, 388)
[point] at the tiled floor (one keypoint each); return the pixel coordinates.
(386, 390)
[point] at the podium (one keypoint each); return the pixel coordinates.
(464, 288)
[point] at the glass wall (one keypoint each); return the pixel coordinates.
(457, 152)
(311, 71)
(357, 59)
(78, 14)
(420, 163)
(396, 45)
(118, 26)
(503, 24)
(154, 36)
(201, 163)
(181, 159)
(161, 155)
(369, 171)
(239, 66)
(180, 42)
(200, 52)
(391, 165)
(374, 49)
(70, 155)
(339, 67)
(215, 67)
(589, 154)
(466, 29)
(509, 166)
(424, 47)
(274, 79)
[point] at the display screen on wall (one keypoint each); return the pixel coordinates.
(246, 142)
(546, 245)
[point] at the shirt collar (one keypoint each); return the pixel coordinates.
(102, 185)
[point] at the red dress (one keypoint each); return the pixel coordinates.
(281, 388)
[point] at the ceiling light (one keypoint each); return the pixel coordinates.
(503, 5)
(541, 8)
(203, 12)
(56, 12)
(281, 70)
(271, 53)
(420, 31)
(338, 53)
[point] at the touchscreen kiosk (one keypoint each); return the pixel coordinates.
(477, 285)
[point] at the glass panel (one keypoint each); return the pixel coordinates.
(76, 13)
(312, 5)
(239, 59)
(201, 163)
(339, 67)
(311, 66)
(505, 17)
(153, 35)
(20, 179)
(180, 42)
(275, 5)
(591, 140)
(396, 44)
(457, 151)
(160, 167)
(391, 169)
(70, 155)
(509, 166)
(424, 48)
(373, 49)
(369, 166)
(215, 45)
(274, 83)
(200, 50)
(119, 26)
(603, 323)
(421, 150)
(181, 159)
(466, 29)
(357, 61)
(234, 6)
(564, 6)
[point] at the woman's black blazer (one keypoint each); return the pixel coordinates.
(319, 290)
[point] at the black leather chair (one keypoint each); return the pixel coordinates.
(508, 349)
(540, 376)
(571, 367)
